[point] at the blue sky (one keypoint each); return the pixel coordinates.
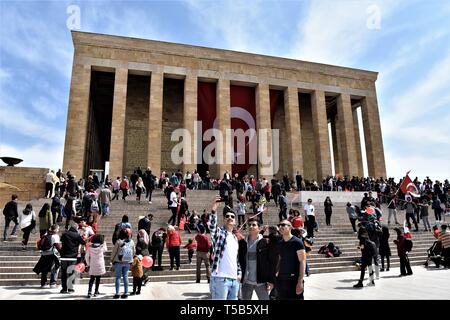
(407, 42)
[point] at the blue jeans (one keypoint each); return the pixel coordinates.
(121, 269)
(224, 288)
(105, 209)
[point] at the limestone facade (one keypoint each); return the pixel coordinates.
(145, 114)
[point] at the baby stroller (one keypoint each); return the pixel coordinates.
(434, 254)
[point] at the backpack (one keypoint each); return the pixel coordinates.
(408, 245)
(123, 184)
(45, 242)
(94, 206)
(126, 252)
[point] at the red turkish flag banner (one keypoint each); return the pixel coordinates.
(406, 181)
(242, 114)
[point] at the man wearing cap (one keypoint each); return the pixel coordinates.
(226, 270)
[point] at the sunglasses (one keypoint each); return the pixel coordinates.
(253, 225)
(229, 216)
(284, 225)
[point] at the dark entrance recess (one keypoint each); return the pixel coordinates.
(99, 121)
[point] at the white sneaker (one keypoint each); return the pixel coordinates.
(13, 236)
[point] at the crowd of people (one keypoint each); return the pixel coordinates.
(270, 260)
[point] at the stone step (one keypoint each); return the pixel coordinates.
(104, 280)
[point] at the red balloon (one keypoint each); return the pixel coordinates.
(147, 261)
(80, 267)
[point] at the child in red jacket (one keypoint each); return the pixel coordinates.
(191, 246)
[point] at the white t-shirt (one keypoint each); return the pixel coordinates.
(309, 208)
(173, 198)
(228, 264)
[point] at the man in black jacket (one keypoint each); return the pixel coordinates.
(258, 269)
(146, 223)
(70, 242)
(11, 214)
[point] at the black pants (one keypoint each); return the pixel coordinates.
(91, 283)
(124, 193)
(437, 214)
(149, 194)
(282, 214)
(190, 255)
(410, 215)
(446, 257)
(116, 195)
(26, 234)
(48, 189)
(275, 198)
(64, 274)
(405, 267)
(157, 251)
(353, 222)
(310, 225)
(137, 283)
(328, 218)
(174, 254)
(174, 215)
(286, 289)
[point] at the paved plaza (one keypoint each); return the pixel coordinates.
(426, 284)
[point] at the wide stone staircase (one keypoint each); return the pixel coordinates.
(16, 265)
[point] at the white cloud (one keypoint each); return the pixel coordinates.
(408, 54)
(420, 166)
(420, 100)
(238, 25)
(38, 42)
(17, 119)
(36, 155)
(337, 33)
(46, 109)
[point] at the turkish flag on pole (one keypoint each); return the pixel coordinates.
(406, 181)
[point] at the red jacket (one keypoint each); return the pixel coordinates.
(191, 246)
(173, 239)
(203, 242)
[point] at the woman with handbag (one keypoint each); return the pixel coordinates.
(27, 221)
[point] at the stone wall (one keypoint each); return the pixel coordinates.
(307, 135)
(27, 183)
(172, 119)
(136, 123)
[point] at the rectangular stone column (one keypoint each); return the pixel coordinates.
(294, 141)
(116, 153)
(359, 163)
(338, 169)
(77, 120)
(264, 140)
(372, 135)
(189, 118)
(320, 128)
(347, 134)
(223, 123)
(155, 122)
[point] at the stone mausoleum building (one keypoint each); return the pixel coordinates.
(128, 95)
